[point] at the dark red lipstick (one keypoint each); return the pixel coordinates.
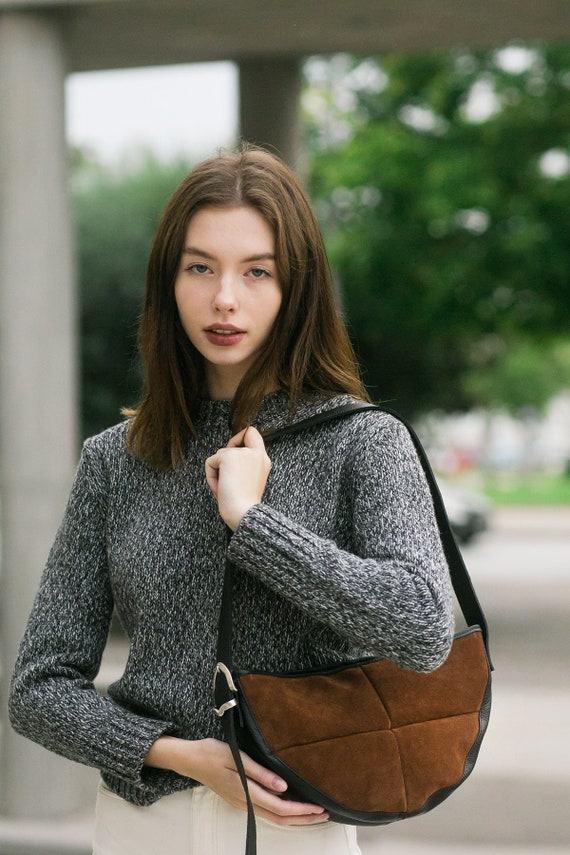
(224, 335)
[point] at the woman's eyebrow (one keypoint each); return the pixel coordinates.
(263, 256)
(194, 250)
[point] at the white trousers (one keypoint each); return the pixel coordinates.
(199, 822)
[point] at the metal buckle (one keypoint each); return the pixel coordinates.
(223, 669)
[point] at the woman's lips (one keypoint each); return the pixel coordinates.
(224, 336)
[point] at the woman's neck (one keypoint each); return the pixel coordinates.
(223, 385)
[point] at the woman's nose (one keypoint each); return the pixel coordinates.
(225, 297)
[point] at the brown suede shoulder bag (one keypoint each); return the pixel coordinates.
(367, 740)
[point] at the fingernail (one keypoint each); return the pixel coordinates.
(279, 784)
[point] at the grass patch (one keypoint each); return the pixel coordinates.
(536, 489)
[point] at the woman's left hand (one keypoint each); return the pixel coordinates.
(237, 475)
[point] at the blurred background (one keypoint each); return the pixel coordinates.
(436, 148)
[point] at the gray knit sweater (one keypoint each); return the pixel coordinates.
(341, 558)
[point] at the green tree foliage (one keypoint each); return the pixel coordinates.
(443, 184)
(522, 377)
(116, 215)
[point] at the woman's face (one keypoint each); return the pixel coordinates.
(227, 291)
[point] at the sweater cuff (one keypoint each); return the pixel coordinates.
(123, 755)
(268, 544)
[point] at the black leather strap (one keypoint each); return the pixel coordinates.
(462, 585)
(224, 694)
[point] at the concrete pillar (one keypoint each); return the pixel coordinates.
(269, 105)
(37, 369)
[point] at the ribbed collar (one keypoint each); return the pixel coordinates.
(212, 418)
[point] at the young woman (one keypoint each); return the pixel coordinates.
(334, 540)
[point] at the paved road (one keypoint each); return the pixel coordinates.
(517, 801)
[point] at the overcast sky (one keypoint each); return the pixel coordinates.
(184, 109)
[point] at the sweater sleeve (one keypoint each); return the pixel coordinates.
(53, 700)
(391, 594)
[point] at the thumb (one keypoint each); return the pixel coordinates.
(212, 467)
(249, 437)
(253, 439)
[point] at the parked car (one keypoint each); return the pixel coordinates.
(467, 510)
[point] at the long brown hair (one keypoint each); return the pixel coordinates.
(308, 351)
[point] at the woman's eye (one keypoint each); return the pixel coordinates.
(198, 268)
(258, 273)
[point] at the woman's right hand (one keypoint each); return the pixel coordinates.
(210, 762)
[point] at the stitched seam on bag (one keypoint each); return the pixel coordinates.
(403, 777)
(334, 739)
(375, 690)
(423, 721)
(391, 729)
(431, 720)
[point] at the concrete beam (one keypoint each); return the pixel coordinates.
(139, 33)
